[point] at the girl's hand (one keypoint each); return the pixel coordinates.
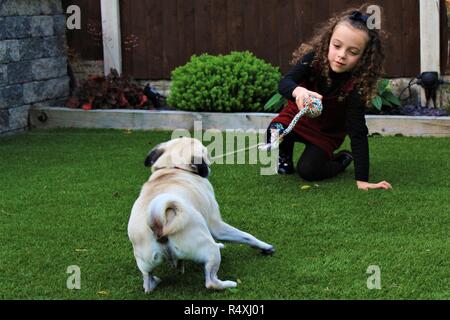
(301, 93)
(366, 185)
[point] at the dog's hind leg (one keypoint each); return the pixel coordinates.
(224, 232)
(180, 267)
(211, 269)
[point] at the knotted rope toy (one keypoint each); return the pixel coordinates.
(312, 108)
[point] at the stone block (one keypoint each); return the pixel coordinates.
(15, 27)
(42, 26)
(3, 75)
(49, 68)
(54, 47)
(30, 7)
(31, 48)
(9, 51)
(51, 7)
(59, 25)
(3, 30)
(4, 120)
(11, 96)
(46, 90)
(37, 48)
(18, 117)
(20, 7)
(19, 72)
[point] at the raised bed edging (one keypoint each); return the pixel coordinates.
(54, 117)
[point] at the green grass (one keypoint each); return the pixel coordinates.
(66, 196)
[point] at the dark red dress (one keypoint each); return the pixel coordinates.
(326, 131)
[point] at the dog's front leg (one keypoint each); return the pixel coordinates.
(150, 282)
(211, 269)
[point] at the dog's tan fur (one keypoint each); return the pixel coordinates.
(176, 216)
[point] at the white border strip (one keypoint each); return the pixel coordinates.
(171, 120)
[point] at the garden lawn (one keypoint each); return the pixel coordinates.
(66, 197)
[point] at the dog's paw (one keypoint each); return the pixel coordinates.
(221, 285)
(151, 283)
(268, 251)
(228, 284)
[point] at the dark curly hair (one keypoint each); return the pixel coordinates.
(367, 72)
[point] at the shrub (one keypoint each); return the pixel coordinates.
(226, 83)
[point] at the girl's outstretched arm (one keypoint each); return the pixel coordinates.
(363, 185)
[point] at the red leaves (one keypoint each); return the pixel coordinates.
(112, 92)
(123, 102)
(143, 100)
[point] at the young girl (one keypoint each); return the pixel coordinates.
(340, 66)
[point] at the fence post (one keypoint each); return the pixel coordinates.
(112, 50)
(429, 39)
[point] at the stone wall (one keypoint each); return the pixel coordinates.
(33, 63)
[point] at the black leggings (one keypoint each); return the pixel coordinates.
(314, 164)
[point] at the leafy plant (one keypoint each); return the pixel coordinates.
(111, 92)
(235, 82)
(275, 103)
(384, 96)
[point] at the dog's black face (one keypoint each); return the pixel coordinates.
(153, 156)
(201, 167)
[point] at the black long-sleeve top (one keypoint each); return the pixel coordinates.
(355, 124)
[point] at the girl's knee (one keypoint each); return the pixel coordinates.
(308, 171)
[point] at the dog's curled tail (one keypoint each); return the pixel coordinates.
(166, 216)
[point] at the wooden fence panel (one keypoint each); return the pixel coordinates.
(169, 32)
(86, 43)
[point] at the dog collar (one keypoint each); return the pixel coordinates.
(175, 167)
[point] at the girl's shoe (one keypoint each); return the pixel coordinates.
(285, 164)
(344, 157)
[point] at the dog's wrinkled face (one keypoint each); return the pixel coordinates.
(183, 153)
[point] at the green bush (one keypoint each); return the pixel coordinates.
(226, 83)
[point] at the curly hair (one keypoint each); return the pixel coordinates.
(369, 68)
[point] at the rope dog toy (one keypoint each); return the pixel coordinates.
(312, 109)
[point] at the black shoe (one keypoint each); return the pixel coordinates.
(344, 157)
(285, 164)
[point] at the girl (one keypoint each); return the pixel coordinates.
(340, 66)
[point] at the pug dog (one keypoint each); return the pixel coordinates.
(176, 216)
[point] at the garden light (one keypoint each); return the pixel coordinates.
(430, 82)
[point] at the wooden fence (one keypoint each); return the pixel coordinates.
(167, 33)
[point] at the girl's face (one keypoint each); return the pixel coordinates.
(347, 46)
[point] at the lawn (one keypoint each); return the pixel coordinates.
(66, 196)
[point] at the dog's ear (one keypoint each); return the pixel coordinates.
(153, 156)
(201, 167)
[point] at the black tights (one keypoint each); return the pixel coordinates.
(314, 163)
